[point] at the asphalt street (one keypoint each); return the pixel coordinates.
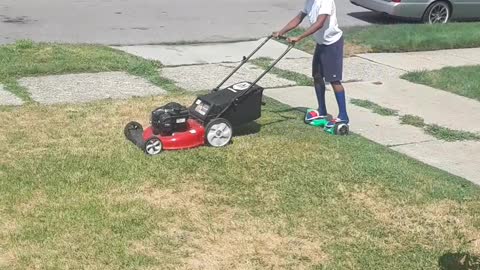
(128, 22)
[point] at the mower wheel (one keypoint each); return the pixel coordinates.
(153, 146)
(132, 126)
(341, 129)
(219, 132)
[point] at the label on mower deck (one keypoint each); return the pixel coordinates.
(202, 108)
(240, 87)
(181, 120)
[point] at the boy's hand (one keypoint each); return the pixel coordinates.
(294, 39)
(276, 34)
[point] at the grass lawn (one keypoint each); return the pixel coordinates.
(76, 194)
(26, 58)
(463, 81)
(404, 38)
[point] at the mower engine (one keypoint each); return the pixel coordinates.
(169, 118)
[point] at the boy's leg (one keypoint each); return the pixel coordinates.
(318, 80)
(342, 104)
(333, 66)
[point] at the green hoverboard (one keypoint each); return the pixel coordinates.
(337, 129)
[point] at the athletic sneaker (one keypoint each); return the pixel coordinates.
(336, 121)
(314, 115)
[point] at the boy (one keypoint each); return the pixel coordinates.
(327, 63)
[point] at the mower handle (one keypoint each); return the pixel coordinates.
(246, 58)
(290, 47)
(248, 91)
(282, 38)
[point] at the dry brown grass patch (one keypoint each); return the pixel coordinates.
(352, 49)
(473, 238)
(7, 226)
(7, 259)
(434, 224)
(38, 198)
(215, 236)
(36, 130)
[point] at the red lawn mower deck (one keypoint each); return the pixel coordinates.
(193, 136)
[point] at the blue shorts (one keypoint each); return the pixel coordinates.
(328, 62)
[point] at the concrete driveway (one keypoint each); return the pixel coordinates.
(129, 22)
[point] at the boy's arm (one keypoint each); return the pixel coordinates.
(291, 25)
(310, 31)
(324, 9)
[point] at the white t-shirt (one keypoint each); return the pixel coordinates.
(330, 32)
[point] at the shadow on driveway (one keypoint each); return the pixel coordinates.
(378, 18)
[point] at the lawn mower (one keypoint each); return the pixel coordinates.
(211, 119)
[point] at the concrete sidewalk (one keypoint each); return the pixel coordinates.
(459, 158)
(385, 130)
(9, 99)
(435, 106)
(206, 77)
(175, 55)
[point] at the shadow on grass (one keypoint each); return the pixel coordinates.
(302, 110)
(291, 109)
(459, 261)
(254, 127)
(248, 129)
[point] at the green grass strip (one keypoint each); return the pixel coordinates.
(439, 132)
(412, 120)
(298, 78)
(374, 107)
(464, 81)
(403, 37)
(28, 59)
(416, 37)
(450, 135)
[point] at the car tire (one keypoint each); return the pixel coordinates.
(437, 12)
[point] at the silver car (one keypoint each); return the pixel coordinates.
(429, 11)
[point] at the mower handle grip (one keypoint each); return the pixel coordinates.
(280, 37)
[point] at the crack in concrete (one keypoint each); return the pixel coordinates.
(410, 143)
(382, 64)
(460, 56)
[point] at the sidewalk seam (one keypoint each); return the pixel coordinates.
(410, 143)
(449, 52)
(382, 64)
(220, 63)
